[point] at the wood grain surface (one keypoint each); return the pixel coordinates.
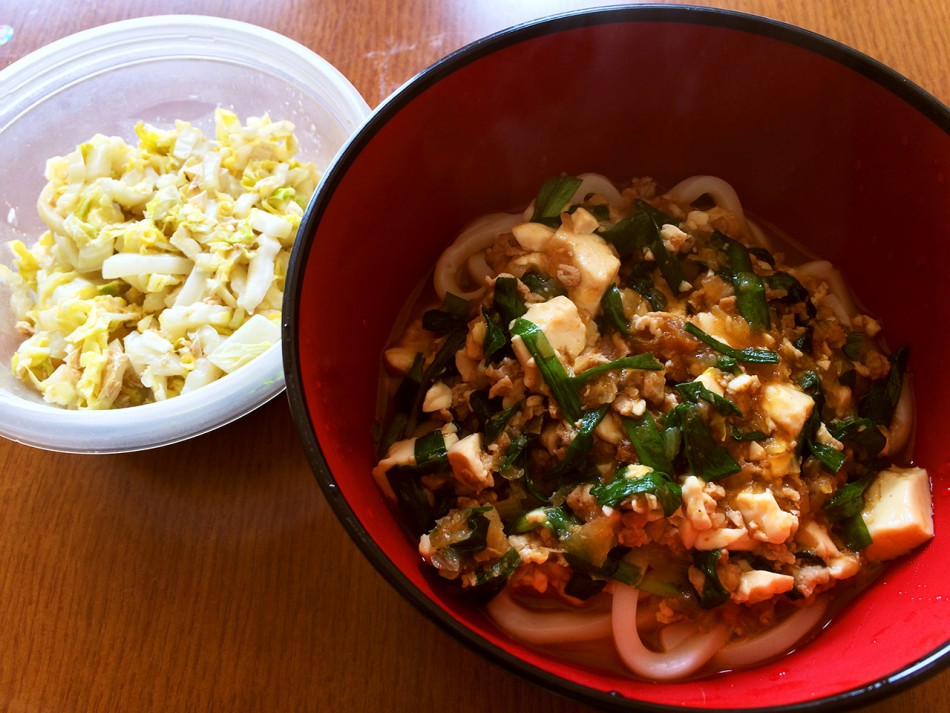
(211, 575)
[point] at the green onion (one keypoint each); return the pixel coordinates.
(847, 501)
(750, 355)
(669, 266)
(748, 286)
(714, 593)
(783, 282)
(507, 301)
(514, 452)
(645, 362)
(828, 456)
(630, 234)
(810, 383)
(804, 342)
(556, 518)
(454, 311)
(478, 523)
(495, 338)
(496, 424)
(582, 441)
(454, 341)
(880, 401)
(763, 255)
(854, 533)
(553, 196)
(694, 391)
(611, 304)
(552, 371)
(853, 345)
(543, 285)
(861, 433)
(707, 459)
(613, 567)
(844, 510)
(430, 451)
(499, 571)
(647, 290)
(648, 442)
(728, 364)
(743, 436)
(583, 585)
(668, 493)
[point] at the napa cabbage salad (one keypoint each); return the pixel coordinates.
(163, 266)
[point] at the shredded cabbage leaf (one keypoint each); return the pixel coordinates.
(164, 263)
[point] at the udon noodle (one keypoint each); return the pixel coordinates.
(628, 424)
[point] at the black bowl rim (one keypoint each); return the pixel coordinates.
(915, 96)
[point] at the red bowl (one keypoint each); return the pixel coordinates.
(845, 155)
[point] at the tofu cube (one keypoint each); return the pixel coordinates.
(787, 406)
(759, 585)
(898, 512)
(764, 518)
(597, 265)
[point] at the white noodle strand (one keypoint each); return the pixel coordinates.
(839, 297)
(777, 640)
(685, 659)
(691, 189)
(476, 238)
(547, 627)
(596, 183)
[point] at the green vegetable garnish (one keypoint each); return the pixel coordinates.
(783, 282)
(649, 443)
(630, 234)
(853, 345)
(454, 341)
(498, 572)
(552, 371)
(453, 312)
(556, 518)
(496, 424)
(495, 338)
(647, 290)
(714, 593)
(880, 401)
(748, 286)
(543, 285)
(611, 304)
(507, 301)
(750, 355)
(646, 362)
(669, 266)
(742, 436)
(552, 198)
(847, 501)
(707, 459)
(861, 433)
(694, 391)
(668, 493)
(582, 441)
(844, 510)
(831, 458)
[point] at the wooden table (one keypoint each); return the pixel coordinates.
(212, 575)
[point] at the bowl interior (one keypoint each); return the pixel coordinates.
(157, 70)
(848, 159)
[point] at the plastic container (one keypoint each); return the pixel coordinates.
(104, 80)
